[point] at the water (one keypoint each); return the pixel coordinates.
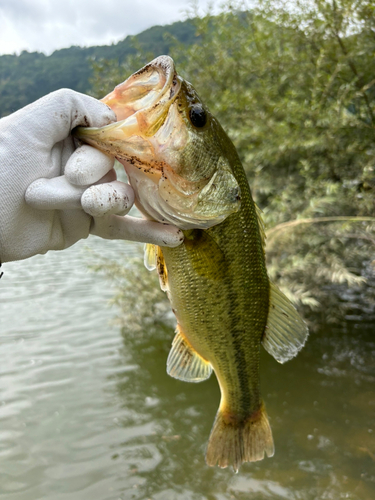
(87, 411)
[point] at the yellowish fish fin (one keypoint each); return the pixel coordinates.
(154, 259)
(150, 257)
(162, 269)
(234, 442)
(184, 363)
(286, 332)
(262, 229)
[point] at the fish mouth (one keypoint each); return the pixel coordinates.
(141, 105)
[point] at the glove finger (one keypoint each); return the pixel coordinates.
(56, 114)
(109, 198)
(114, 227)
(54, 194)
(87, 165)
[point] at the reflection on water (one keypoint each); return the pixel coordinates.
(88, 412)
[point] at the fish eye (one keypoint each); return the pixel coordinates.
(198, 116)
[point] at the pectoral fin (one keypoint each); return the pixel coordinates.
(184, 363)
(209, 260)
(286, 332)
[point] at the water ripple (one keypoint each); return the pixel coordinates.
(87, 413)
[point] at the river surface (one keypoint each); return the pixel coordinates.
(88, 413)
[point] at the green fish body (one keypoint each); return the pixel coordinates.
(219, 291)
(216, 280)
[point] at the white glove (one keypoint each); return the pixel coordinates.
(52, 194)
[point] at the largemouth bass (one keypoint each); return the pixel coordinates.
(185, 170)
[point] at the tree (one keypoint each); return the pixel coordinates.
(294, 87)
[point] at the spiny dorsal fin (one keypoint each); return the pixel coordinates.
(150, 256)
(184, 363)
(162, 270)
(262, 228)
(286, 332)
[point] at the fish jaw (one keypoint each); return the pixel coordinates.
(141, 105)
(153, 140)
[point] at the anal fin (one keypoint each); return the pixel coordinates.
(184, 363)
(286, 332)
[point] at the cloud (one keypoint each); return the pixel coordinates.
(47, 25)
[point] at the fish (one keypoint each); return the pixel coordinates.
(185, 171)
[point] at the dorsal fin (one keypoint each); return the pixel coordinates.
(184, 363)
(150, 256)
(262, 228)
(286, 332)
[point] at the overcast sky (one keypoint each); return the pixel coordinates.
(47, 25)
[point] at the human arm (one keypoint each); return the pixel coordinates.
(53, 194)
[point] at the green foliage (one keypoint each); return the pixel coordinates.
(293, 84)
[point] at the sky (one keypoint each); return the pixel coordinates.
(47, 25)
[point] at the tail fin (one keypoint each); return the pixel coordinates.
(232, 443)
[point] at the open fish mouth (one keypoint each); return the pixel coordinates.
(177, 172)
(141, 105)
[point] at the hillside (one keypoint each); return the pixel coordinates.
(26, 77)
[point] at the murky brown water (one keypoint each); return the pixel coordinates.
(89, 413)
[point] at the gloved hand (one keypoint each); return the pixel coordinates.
(52, 194)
